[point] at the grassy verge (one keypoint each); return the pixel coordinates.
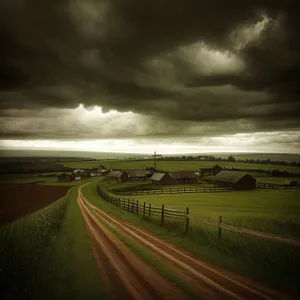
(47, 255)
(146, 256)
(271, 263)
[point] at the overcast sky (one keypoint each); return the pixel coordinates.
(170, 75)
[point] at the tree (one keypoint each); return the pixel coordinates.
(231, 158)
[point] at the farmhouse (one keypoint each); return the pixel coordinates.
(117, 176)
(65, 177)
(136, 174)
(182, 177)
(235, 180)
(150, 171)
(291, 183)
(161, 178)
(211, 171)
(81, 174)
(101, 171)
(84, 174)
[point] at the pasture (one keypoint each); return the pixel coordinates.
(177, 165)
(273, 211)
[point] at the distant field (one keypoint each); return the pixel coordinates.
(278, 180)
(177, 165)
(34, 178)
(264, 156)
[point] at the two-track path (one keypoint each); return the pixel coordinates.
(129, 277)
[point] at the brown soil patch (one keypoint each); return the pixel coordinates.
(17, 201)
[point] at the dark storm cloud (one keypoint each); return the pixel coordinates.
(126, 55)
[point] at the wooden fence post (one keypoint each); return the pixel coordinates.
(144, 209)
(132, 203)
(149, 210)
(219, 227)
(187, 219)
(137, 207)
(128, 204)
(162, 214)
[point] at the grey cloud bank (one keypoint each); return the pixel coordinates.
(193, 68)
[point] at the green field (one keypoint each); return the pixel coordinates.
(274, 211)
(177, 165)
(44, 255)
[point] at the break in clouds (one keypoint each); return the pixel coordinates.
(128, 69)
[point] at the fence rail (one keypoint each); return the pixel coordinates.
(163, 213)
(265, 185)
(182, 190)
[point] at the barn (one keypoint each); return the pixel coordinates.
(183, 177)
(65, 177)
(235, 180)
(161, 178)
(102, 172)
(136, 174)
(150, 171)
(117, 176)
(291, 183)
(211, 171)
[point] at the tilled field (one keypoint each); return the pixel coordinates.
(19, 200)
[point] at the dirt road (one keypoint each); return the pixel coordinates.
(128, 277)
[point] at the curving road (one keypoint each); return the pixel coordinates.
(128, 277)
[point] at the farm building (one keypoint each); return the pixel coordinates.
(136, 174)
(117, 176)
(84, 174)
(65, 177)
(235, 180)
(161, 178)
(291, 183)
(182, 177)
(101, 171)
(81, 173)
(150, 171)
(210, 171)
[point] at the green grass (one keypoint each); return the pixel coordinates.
(177, 165)
(47, 255)
(259, 259)
(274, 211)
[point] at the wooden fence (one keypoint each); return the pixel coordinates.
(182, 190)
(162, 213)
(264, 185)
